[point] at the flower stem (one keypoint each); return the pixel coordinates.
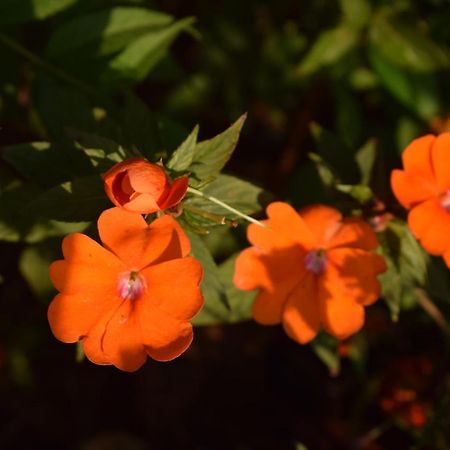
(224, 205)
(45, 66)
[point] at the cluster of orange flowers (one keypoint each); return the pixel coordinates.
(314, 269)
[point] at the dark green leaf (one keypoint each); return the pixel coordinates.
(211, 156)
(356, 13)
(239, 194)
(104, 32)
(47, 164)
(80, 200)
(417, 91)
(19, 11)
(182, 157)
(136, 61)
(404, 44)
(212, 287)
(330, 47)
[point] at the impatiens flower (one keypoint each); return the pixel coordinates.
(312, 268)
(132, 298)
(143, 187)
(423, 187)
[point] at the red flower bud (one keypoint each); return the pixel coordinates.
(143, 187)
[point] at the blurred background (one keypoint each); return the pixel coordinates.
(334, 91)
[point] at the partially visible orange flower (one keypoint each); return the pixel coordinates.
(132, 299)
(312, 268)
(143, 187)
(423, 187)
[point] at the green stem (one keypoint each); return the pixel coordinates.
(224, 205)
(38, 62)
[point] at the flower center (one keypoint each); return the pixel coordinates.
(315, 261)
(131, 285)
(445, 200)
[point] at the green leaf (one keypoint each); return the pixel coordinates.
(237, 193)
(356, 13)
(360, 192)
(326, 349)
(335, 155)
(211, 156)
(20, 11)
(329, 48)
(417, 91)
(239, 302)
(80, 200)
(365, 158)
(33, 265)
(407, 266)
(137, 60)
(212, 288)
(47, 164)
(182, 157)
(404, 44)
(102, 152)
(104, 32)
(140, 127)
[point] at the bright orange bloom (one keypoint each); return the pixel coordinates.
(424, 188)
(312, 268)
(143, 187)
(132, 299)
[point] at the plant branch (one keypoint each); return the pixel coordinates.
(224, 205)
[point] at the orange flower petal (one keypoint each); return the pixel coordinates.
(164, 337)
(147, 178)
(341, 315)
(430, 223)
(72, 316)
(142, 202)
(354, 272)
(138, 244)
(322, 221)
(301, 316)
(354, 233)
(268, 271)
(417, 157)
(79, 248)
(122, 342)
(176, 192)
(71, 278)
(181, 299)
(285, 228)
(440, 154)
(411, 189)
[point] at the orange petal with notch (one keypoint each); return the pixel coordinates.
(341, 315)
(322, 221)
(417, 157)
(163, 336)
(122, 341)
(138, 244)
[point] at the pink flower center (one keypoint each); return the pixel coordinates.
(445, 200)
(315, 261)
(131, 285)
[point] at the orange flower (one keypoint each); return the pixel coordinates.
(312, 268)
(143, 187)
(132, 299)
(424, 188)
